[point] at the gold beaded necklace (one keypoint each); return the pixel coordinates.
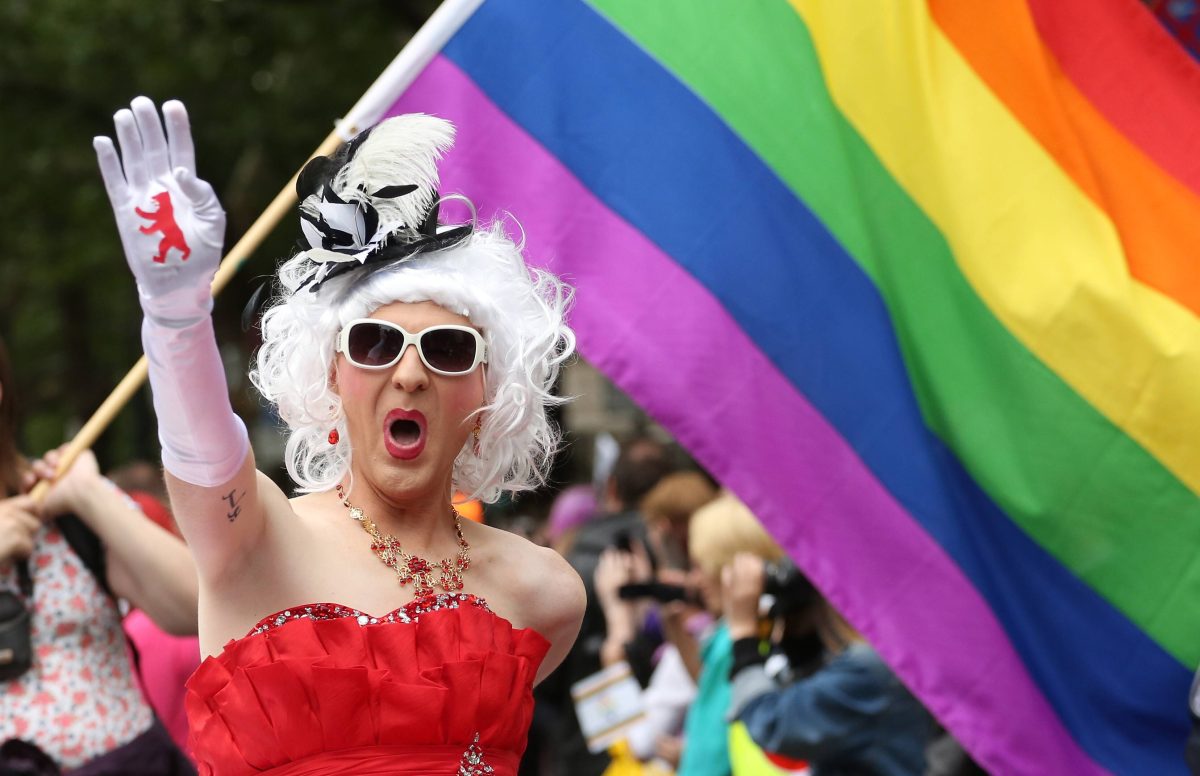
(411, 568)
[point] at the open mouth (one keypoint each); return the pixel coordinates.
(404, 433)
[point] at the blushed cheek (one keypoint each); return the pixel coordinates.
(356, 392)
(351, 392)
(466, 398)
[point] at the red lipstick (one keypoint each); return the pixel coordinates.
(404, 433)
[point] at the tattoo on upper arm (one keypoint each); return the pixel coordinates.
(235, 504)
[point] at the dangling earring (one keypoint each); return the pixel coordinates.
(475, 432)
(335, 437)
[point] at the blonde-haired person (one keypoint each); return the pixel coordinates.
(717, 533)
(721, 530)
(362, 623)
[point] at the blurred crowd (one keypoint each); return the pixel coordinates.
(742, 667)
(739, 664)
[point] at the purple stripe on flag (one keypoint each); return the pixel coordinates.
(662, 337)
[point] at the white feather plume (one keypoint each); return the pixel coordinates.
(401, 150)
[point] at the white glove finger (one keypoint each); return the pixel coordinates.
(110, 171)
(179, 135)
(154, 142)
(131, 150)
(199, 193)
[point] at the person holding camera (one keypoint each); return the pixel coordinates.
(628, 597)
(717, 532)
(638, 599)
(849, 716)
(643, 461)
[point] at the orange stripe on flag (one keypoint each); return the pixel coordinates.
(1156, 216)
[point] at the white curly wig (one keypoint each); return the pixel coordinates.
(520, 312)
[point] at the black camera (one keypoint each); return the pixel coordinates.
(788, 586)
(658, 591)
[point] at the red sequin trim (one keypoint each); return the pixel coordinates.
(409, 613)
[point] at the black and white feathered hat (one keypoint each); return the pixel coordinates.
(374, 202)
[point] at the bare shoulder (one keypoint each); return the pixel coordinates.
(535, 584)
(554, 600)
(558, 588)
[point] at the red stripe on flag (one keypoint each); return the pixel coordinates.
(1133, 71)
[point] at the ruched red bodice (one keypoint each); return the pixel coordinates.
(439, 684)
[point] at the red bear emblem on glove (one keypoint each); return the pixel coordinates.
(163, 220)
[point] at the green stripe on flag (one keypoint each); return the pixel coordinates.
(1075, 483)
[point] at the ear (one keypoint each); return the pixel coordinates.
(333, 377)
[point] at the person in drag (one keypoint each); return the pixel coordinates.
(360, 626)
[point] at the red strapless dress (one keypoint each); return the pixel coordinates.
(441, 686)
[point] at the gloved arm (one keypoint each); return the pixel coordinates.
(172, 229)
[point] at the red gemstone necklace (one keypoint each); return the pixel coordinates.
(411, 568)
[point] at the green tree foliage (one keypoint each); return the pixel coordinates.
(264, 83)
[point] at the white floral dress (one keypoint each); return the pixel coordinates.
(80, 699)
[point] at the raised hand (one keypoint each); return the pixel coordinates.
(615, 569)
(172, 227)
(741, 589)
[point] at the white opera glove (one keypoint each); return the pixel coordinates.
(173, 229)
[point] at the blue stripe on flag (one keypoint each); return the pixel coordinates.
(645, 145)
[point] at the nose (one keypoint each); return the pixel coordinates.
(410, 374)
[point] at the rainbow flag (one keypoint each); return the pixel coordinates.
(920, 282)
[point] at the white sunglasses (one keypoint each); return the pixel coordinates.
(447, 349)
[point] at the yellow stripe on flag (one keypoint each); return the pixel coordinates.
(1042, 256)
